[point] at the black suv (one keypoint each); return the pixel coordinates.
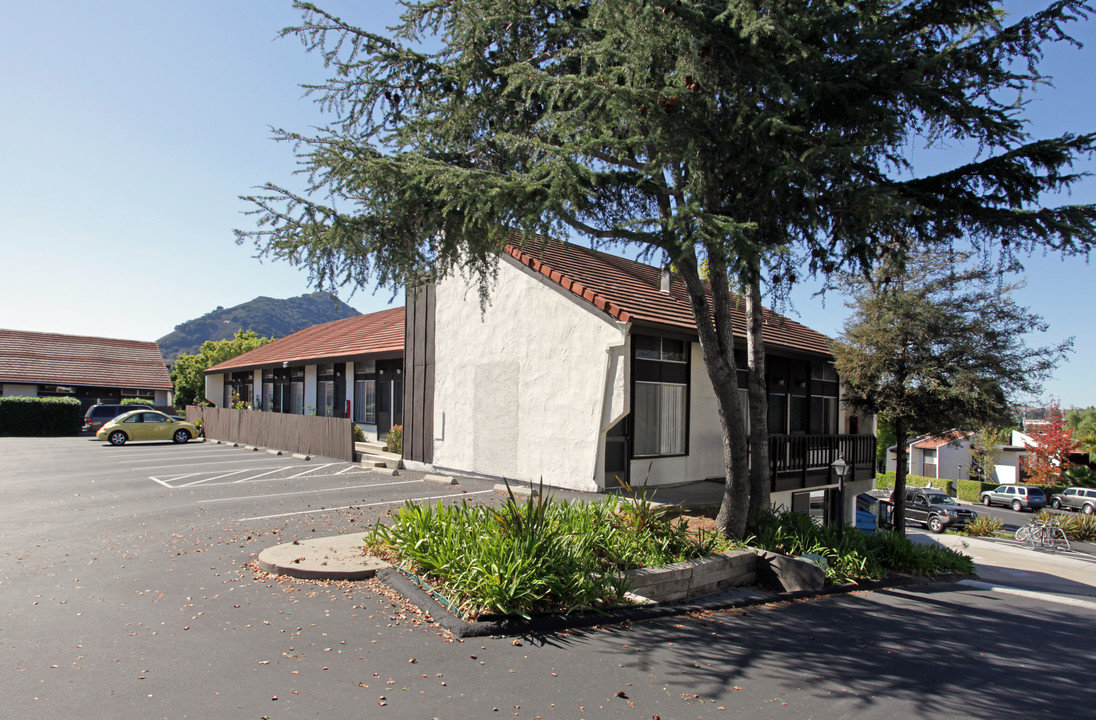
(935, 509)
(99, 415)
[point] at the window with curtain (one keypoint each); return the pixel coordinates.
(660, 419)
(661, 395)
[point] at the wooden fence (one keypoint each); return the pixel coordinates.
(308, 434)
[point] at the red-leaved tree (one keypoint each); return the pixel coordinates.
(1048, 454)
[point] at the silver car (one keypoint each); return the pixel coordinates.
(1017, 497)
(1075, 498)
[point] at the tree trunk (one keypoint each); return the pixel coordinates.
(714, 327)
(760, 482)
(899, 496)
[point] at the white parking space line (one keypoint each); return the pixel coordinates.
(302, 474)
(306, 492)
(264, 476)
(255, 477)
(174, 455)
(363, 505)
(215, 477)
(215, 462)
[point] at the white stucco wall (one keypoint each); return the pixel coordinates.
(215, 388)
(522, 390)
(162, 398)
(705, 458)
(19, 390)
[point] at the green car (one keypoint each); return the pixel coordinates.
(146, 425)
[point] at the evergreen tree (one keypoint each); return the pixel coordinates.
(721, 132)
(936, 343)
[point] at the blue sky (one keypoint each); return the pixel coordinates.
(128, 130)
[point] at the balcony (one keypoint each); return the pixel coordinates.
(797, 462)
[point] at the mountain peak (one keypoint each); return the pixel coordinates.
(268, 317)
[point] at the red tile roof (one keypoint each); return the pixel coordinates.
(629, 291)
(930, 443)
(53, 359)
(379, 332)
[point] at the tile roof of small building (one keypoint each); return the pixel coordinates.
(630, 291)
(376, 333)
(54, 359)
(936, 441)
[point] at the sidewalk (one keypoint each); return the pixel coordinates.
(1009, 563)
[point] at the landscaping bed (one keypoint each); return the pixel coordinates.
(537, 558)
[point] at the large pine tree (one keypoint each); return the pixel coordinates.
(727, 133)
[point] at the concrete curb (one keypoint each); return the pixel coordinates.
(516, 625)
(440, 479)
(339, 557)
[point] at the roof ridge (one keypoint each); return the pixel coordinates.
(569, 283)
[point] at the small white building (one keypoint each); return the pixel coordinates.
(944, 457)
(584, 371)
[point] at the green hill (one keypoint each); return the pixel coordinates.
(268, 317)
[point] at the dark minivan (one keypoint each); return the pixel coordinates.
(99, 415)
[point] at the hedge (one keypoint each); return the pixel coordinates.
(885, 481)
(37, 417)
(971, 490)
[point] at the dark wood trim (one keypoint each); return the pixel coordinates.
(418, 374)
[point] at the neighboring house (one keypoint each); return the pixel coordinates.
(345, 368)
(945, 457)
(584, 370)
(90, 369)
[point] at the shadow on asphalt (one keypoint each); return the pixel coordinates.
(915, 644)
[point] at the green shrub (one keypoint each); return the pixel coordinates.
(1081, 528)
(971, 490)
(38, 417)
(136, 401)
(359, 434)
(855, 556)
(535, 555)
(394, 442)
(983, 526)
(1079, 475)
(885, 481)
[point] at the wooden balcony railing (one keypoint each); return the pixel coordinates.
(805, 460)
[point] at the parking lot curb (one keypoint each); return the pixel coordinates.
(339, 557)
(428, 602)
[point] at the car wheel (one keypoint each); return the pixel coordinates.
(1057, 504)
(986, 501)
(117, 438)
(1087, 509)
(1017, 506)
(936, 524)
(180, 436)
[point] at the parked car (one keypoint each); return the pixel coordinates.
(1075, 498)
(99, 415)
(935, 509)
(146, 425)
(1017, 497)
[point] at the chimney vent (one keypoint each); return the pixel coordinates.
(664, 286)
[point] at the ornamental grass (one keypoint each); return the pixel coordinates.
(536, 555)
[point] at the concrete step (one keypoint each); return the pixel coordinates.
(371, 454)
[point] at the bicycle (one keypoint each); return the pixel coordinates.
(1048, 533)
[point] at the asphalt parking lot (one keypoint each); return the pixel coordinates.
(127, 591)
